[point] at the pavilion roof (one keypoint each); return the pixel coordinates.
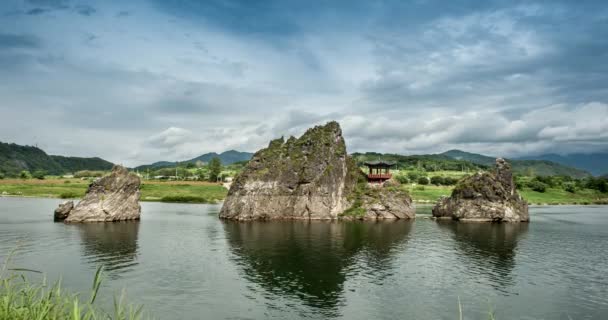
(379, 163)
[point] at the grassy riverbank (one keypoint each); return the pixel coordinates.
(206, 192)
(169, 191)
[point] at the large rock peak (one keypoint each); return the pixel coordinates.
(310, 177)
(306, 177)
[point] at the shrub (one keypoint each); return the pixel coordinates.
(449, 181)
(419, 188)
(66, 181)
(603, 186)
(423, 181)
(413, 176)
(355, 212)
(520, 182)
(570, 187)
(69, 195)
(184, 199)
(537, 186)
(548, 180)
(437, 180)
(402, 179)
(1, 175)
(25, 174)
(39, 174)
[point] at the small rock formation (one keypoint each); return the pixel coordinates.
(387, 203)
(311, 177)
(114, 197)
(487, 196)
(62, 212)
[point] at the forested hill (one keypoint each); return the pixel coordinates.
(596, 163)
(15, 158)
(430, 162)
(526, 167)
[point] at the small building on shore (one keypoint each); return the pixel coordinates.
(379, 171)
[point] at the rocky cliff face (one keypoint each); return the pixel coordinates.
(487, 196)
(114, 197)
(311, 177)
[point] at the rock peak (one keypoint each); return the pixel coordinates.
(118, 169)
(310, 177)
(504, 174)
(114, 197)
(485, 196)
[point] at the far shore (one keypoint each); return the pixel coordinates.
(211, 193)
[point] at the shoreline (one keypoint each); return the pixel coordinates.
(428, 203)
(214, 193)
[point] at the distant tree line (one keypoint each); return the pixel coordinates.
(568, 184)
(213, 171)
(423, 179)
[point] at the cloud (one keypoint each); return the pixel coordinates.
(188, 77)
(85, 10)
(55, 4)
(36, 11)
(18, 41)
(171, 138)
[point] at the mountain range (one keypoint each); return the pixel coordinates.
(227, 158)
(529, 166)
(596, 163)
(15, 158)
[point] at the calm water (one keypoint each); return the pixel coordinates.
(181, 262)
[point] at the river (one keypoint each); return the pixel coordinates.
(181, 262)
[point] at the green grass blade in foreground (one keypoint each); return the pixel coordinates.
(22, 299)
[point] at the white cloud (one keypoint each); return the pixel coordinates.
(146, 86)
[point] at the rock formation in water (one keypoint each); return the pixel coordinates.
(485, 196)
(311, 177)
(387, 201)
(63, 210)
(114, 197)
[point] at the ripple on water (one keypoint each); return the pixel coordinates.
(181, 261)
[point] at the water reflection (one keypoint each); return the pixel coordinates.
(312, 260)
(488, 248)
(113, 245)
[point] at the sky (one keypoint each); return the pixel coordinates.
(137, 81)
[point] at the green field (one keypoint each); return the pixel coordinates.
(206, 192)
(553, 196)
(188, 192)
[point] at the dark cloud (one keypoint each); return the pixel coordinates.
(36, 11)
(50, 4)
(123, 13)
(18, 41)
(498, 77)
(85, 10)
